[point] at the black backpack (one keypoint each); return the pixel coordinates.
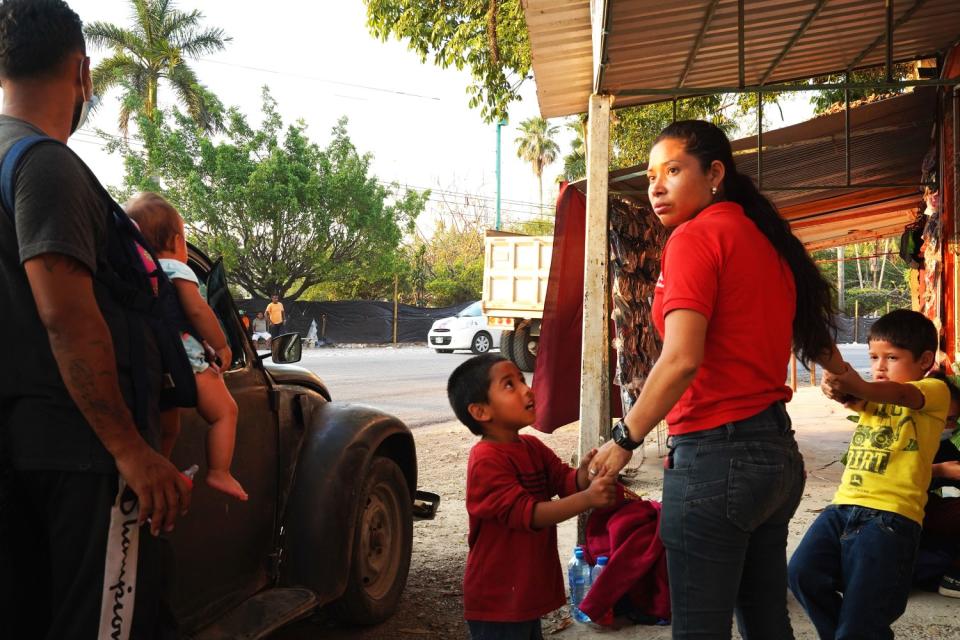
(126, 279)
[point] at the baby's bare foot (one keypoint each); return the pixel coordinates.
(224, 482)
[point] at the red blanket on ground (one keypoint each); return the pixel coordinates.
(637, 563)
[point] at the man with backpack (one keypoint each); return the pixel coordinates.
(80, 387)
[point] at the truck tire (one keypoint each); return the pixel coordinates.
(506, 344)
(524, 349)
(382, 544)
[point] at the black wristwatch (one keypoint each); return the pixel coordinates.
(621, 435)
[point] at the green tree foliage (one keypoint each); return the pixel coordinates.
(829, 99)
(873, 275)
(451, 265)
(537, 227)
(536, 145)
(488, 37)
(634, 129)
(156, 46)
(284, 213)
(575, 162)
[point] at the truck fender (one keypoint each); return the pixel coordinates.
(338, 445)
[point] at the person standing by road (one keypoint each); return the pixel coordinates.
(67, 429)
(275, 316)
(736, 291)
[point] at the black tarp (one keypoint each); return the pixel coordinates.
(357, 321)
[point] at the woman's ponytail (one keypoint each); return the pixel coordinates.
(814, 326)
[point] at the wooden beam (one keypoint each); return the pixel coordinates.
(594, 365)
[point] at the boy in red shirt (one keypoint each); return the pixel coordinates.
(513, 574)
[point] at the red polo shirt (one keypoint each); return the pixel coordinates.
(720, 265)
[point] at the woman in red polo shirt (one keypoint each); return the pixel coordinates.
(736, 292)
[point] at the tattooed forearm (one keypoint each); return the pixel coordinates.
(88, 368)
(88, 389)
(83, 347)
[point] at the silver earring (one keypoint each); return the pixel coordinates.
(713, 190)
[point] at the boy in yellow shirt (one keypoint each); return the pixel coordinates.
(853, 568)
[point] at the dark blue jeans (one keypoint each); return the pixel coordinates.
(529, 630)
(852, 571)
(728, 494)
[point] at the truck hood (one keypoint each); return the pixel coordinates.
(296, 375)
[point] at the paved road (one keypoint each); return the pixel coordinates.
(410, 382)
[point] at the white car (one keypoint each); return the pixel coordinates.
(466, 330)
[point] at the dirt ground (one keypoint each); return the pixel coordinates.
(432, 603)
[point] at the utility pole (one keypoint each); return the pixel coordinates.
(500, 125)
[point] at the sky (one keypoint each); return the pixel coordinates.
(321, 63)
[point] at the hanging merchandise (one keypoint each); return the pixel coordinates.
(932, 259)
(636, 242)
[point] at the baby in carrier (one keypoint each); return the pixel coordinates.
(162, 227)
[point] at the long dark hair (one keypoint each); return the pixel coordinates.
(813, 324)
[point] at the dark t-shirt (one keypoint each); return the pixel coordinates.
(58, 210)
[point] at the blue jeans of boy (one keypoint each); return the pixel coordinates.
(852, 571)
(728, 495)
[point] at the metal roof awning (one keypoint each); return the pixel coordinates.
(643, 51)
(805, 173)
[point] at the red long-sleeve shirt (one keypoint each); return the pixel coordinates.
(513, 571)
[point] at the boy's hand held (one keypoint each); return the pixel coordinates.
(603, 489)
(585, 463)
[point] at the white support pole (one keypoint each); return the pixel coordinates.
(594, 365)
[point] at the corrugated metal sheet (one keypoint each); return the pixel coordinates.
(812, 153)
(650, 44)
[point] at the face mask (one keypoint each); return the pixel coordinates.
(82, 110)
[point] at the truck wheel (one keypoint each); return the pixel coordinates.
(506, 345)
(481, 342)
(382, 544)
(524, 349)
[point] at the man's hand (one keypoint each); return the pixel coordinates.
(162, 491)
(602, 491)
(611, 456)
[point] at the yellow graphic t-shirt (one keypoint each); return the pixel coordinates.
(891, 453)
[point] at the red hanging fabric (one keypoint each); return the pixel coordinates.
(556, 380)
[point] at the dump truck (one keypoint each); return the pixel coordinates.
(515, 272)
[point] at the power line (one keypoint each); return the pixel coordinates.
(475, 196)
(405, 94)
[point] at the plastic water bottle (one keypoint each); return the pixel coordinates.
(571, 564)
(598, 569)
(579, 574)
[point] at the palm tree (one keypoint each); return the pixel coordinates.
(156, 46)
(575, 162)
(537, 146)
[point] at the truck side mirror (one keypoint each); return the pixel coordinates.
(286, 349)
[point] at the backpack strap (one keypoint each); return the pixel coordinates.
(8, 171)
